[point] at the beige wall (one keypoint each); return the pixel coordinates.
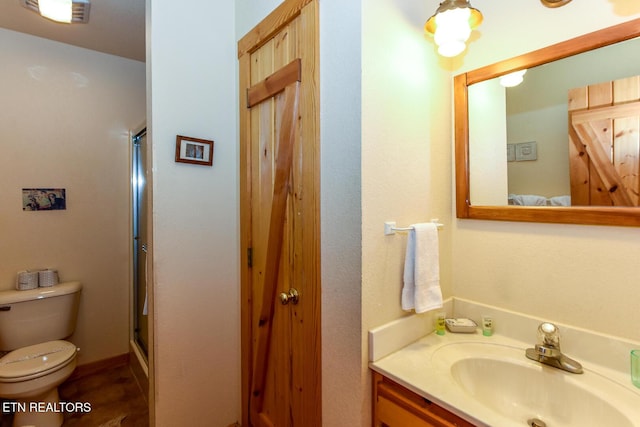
(406, 154)
(582, 275)
(406, 124)
(65, 122)
(487, 124)
(344, 392)
(191, 77)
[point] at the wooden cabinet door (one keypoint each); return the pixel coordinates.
(390, 414)
(397, 406)
(280, 232)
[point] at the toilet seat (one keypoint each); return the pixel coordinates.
(36, 360)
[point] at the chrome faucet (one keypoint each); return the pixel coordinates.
(547, 350)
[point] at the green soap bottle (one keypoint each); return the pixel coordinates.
(440, 326)
(487, 326)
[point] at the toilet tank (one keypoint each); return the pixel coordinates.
(38, 315)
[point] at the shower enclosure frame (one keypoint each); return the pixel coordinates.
(140, 245)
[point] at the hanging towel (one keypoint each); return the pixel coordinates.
(145, 307)
(421, 289)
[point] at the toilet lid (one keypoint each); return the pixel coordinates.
(30, 360)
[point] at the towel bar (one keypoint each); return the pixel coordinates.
(390, 227)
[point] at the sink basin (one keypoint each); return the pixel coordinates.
(501, 378)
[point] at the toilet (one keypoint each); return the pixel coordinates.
(33, 326)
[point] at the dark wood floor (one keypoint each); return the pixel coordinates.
(115, 397)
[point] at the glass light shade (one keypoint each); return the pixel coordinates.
(512, 79)
(452, 24)
(56, 10)
(452, 31)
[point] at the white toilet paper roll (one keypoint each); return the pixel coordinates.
(47, 277)
(26, 280)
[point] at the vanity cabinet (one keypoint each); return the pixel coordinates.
(397, 406)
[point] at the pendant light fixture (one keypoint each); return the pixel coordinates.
(451, 26)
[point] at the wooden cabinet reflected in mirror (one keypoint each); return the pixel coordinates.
(588, 171)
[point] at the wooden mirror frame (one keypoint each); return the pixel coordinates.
(594, 215)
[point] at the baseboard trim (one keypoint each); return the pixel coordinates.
(139, 371)
(87, 369)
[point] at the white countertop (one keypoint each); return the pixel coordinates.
(416, 367)
(413, 368)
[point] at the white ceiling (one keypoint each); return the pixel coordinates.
(116, 27)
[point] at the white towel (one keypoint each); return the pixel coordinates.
(421, 289)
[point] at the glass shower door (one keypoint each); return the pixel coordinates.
(140, 242)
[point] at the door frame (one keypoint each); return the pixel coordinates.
(309, 110)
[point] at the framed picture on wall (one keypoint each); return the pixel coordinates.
(44, 199)
(194, 150)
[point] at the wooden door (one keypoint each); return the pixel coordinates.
(280, 231)
(604, 143)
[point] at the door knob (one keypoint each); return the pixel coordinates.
(291, 297)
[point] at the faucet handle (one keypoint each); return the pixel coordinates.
(549, 334)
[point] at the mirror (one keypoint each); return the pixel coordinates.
(485, 178)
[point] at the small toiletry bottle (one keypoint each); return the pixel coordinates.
(487, 326)
(440, 323)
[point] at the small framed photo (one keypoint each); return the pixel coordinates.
(194, 150)
(44, 199)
